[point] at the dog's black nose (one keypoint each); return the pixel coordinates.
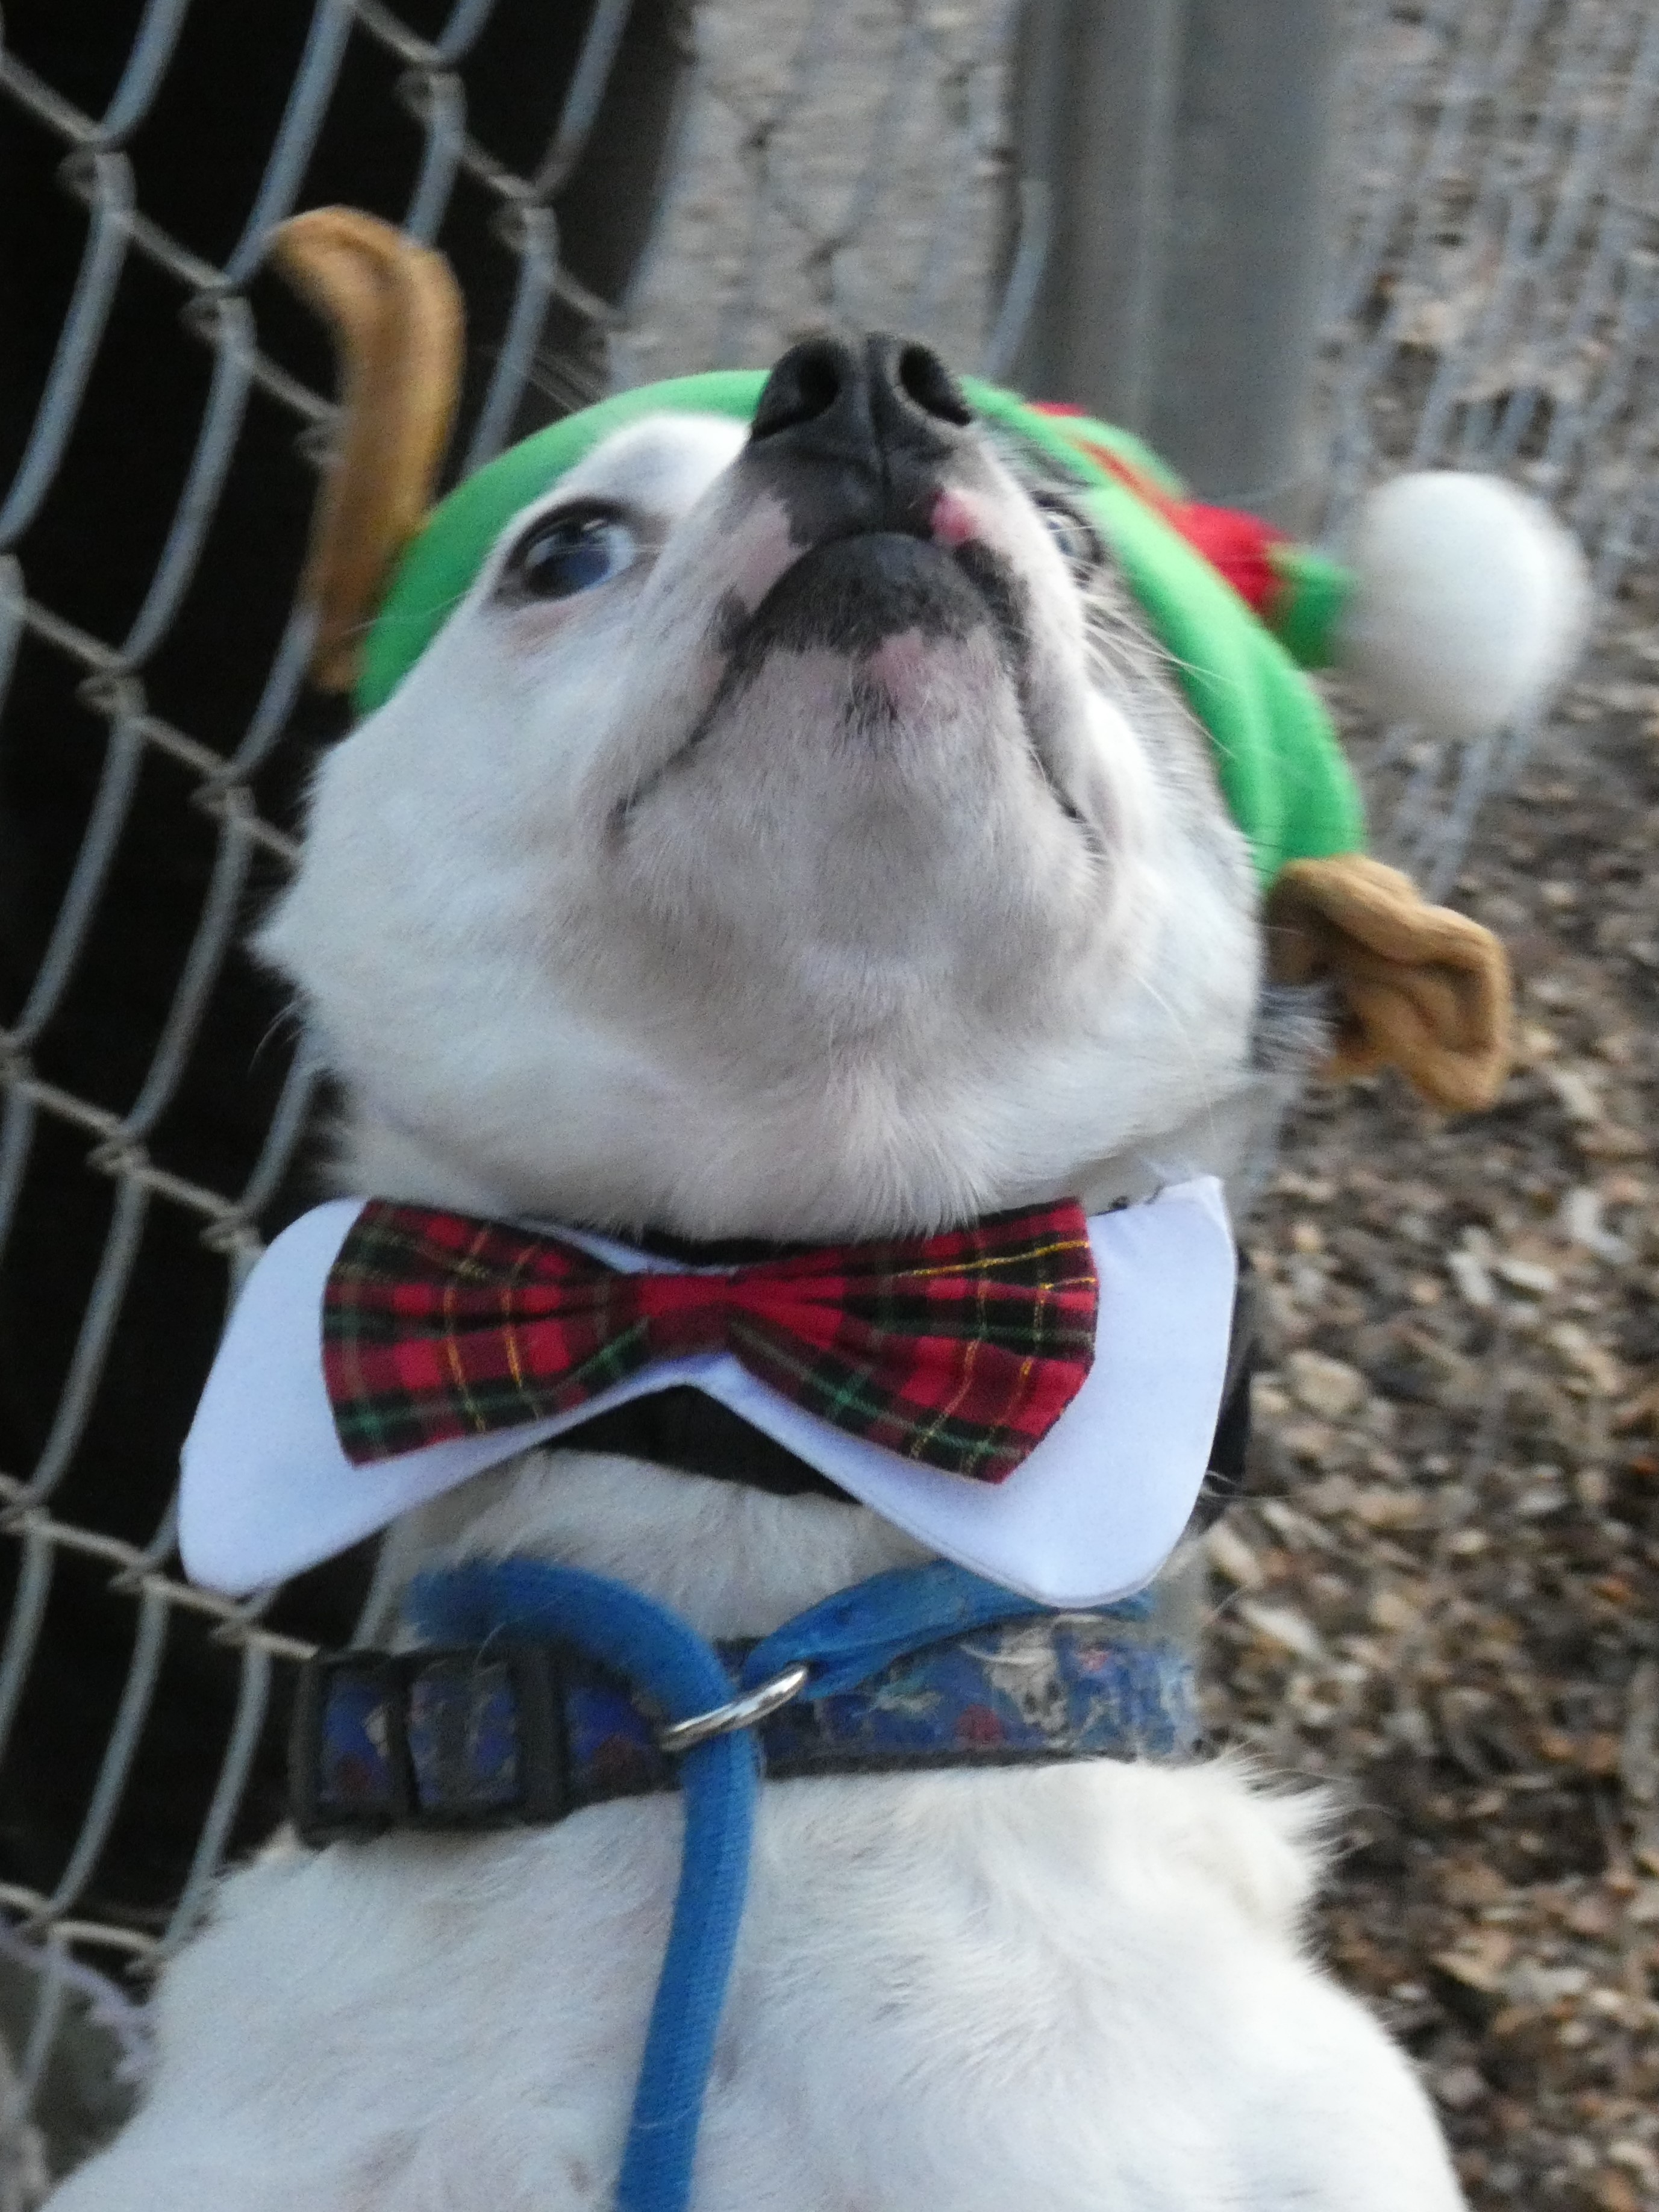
(863, 403)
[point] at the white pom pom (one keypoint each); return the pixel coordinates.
(1470, 602)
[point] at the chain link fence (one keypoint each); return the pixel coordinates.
(161, 445)
(1493, 303)
(1494, 306)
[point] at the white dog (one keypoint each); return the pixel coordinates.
(792, 834)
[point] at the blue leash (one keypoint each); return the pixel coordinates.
(845, 1640)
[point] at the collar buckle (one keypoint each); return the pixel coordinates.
(435, 1738)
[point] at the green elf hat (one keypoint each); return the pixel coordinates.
(1234, 605)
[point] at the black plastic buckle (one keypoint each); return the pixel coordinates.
(467, 1738)
(1227, 1475)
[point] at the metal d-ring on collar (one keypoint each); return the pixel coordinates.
(743, 1713)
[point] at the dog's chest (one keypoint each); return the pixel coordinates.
(456, 2006)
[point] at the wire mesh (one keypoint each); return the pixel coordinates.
(1495, 306)
(839, 163)
(1494, 303)
(176, 791)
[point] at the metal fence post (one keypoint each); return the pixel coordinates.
(1250, 233)
(1094, 101)
(1185, 147)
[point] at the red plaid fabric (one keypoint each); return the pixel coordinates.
(961, 1350)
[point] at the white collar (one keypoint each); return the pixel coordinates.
(1090, 1517)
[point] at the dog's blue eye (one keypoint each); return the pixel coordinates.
(1077, 543)
(569, 553)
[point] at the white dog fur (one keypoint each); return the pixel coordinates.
(862, 942)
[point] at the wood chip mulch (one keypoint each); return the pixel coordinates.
(1443, 1595)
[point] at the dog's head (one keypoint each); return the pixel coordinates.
(792, 830)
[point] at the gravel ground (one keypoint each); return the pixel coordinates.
(1443, 1596)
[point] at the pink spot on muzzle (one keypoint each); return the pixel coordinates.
(901, 663)
(955, 519)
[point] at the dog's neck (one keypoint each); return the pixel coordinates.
(733, 1559)
(1233, 1139)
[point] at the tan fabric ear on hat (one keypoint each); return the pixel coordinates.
(397, 316)
(1423, 989)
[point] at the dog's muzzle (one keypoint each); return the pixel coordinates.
(858, 436)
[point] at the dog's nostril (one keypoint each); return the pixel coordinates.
(805, 384)
(924, 378)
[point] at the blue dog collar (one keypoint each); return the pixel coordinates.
(510, 1732)
(898, 1669)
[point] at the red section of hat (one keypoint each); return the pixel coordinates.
(1235, 544)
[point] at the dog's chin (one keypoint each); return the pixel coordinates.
(905, 722)
(871, 760)
(872, 660)
(885, 811)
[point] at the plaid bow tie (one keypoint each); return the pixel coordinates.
(960, 1350)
